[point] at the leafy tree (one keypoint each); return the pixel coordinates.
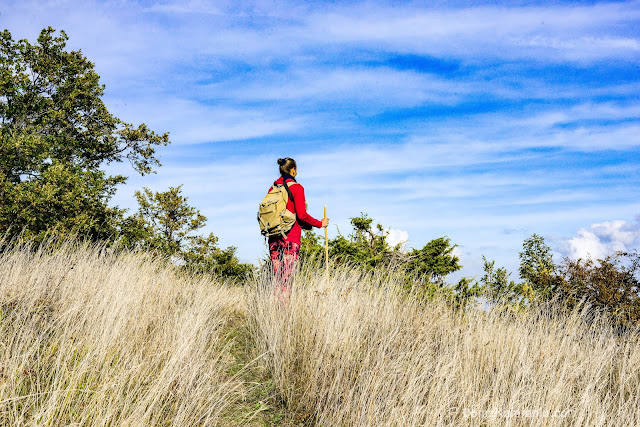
(165, 223)
(464, 292)
(366, 246)
(168, 218)
(55, 134)
(611, 285)
(498, 289)
(426, 270)
(537, 268)
(202, 255)
(433, 262)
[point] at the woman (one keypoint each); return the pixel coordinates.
(284, 250)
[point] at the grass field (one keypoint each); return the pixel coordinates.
(89, 336)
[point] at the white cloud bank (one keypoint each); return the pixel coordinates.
(604, 239)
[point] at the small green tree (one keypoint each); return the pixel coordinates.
(202, 255)
(433, 262)
(165, 223)
(498, 289)
(55, 134)
(169, 218)
(537, 268)
(366, 246)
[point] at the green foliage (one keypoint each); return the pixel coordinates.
(610, 285)
(165, 222)
(202, 255)
(423, 270)
(537, 268)
(433, 262)
(55, 134)
(366, 246)
(498, 289)
(63, 200)
(169, 219)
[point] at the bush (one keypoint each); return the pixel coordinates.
(610, 285)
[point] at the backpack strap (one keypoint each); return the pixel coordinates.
(286, 186)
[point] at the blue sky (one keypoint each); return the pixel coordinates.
(485, 122)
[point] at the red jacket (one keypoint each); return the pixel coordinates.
(297, 191)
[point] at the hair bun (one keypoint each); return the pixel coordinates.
(281, 162)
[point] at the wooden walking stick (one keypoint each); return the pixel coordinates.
(326, 242)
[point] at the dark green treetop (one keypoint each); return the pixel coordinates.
(55, 134)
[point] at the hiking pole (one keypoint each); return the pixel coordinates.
(326, 242)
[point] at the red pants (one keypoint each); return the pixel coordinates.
(284, 256)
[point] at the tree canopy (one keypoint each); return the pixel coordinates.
(166, 224)
(537, 268)
(55, 135)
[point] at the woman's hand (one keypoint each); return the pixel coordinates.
(325, 222)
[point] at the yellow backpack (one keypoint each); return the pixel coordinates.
(273, 216)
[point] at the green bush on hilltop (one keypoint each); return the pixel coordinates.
(423, 270)
(610, 285)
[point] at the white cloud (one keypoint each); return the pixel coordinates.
(396, 236)
(586, 245)
(378, 88)
(621, 233)
(604, 239)
(129, 39)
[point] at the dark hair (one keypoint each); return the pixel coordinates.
(286, 165)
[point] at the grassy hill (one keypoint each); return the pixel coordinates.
(89, 336)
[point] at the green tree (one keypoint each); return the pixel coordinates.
(426, 270)
(168, 219)
(610, 285)
(202, 255)
(499, 289)
(433, 262)
(537, 268)
(366, 245)
(166, 223)
(55, 134)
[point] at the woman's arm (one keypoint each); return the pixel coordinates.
(301, 206)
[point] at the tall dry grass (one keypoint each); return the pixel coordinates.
(351, 351)
(89, 336)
